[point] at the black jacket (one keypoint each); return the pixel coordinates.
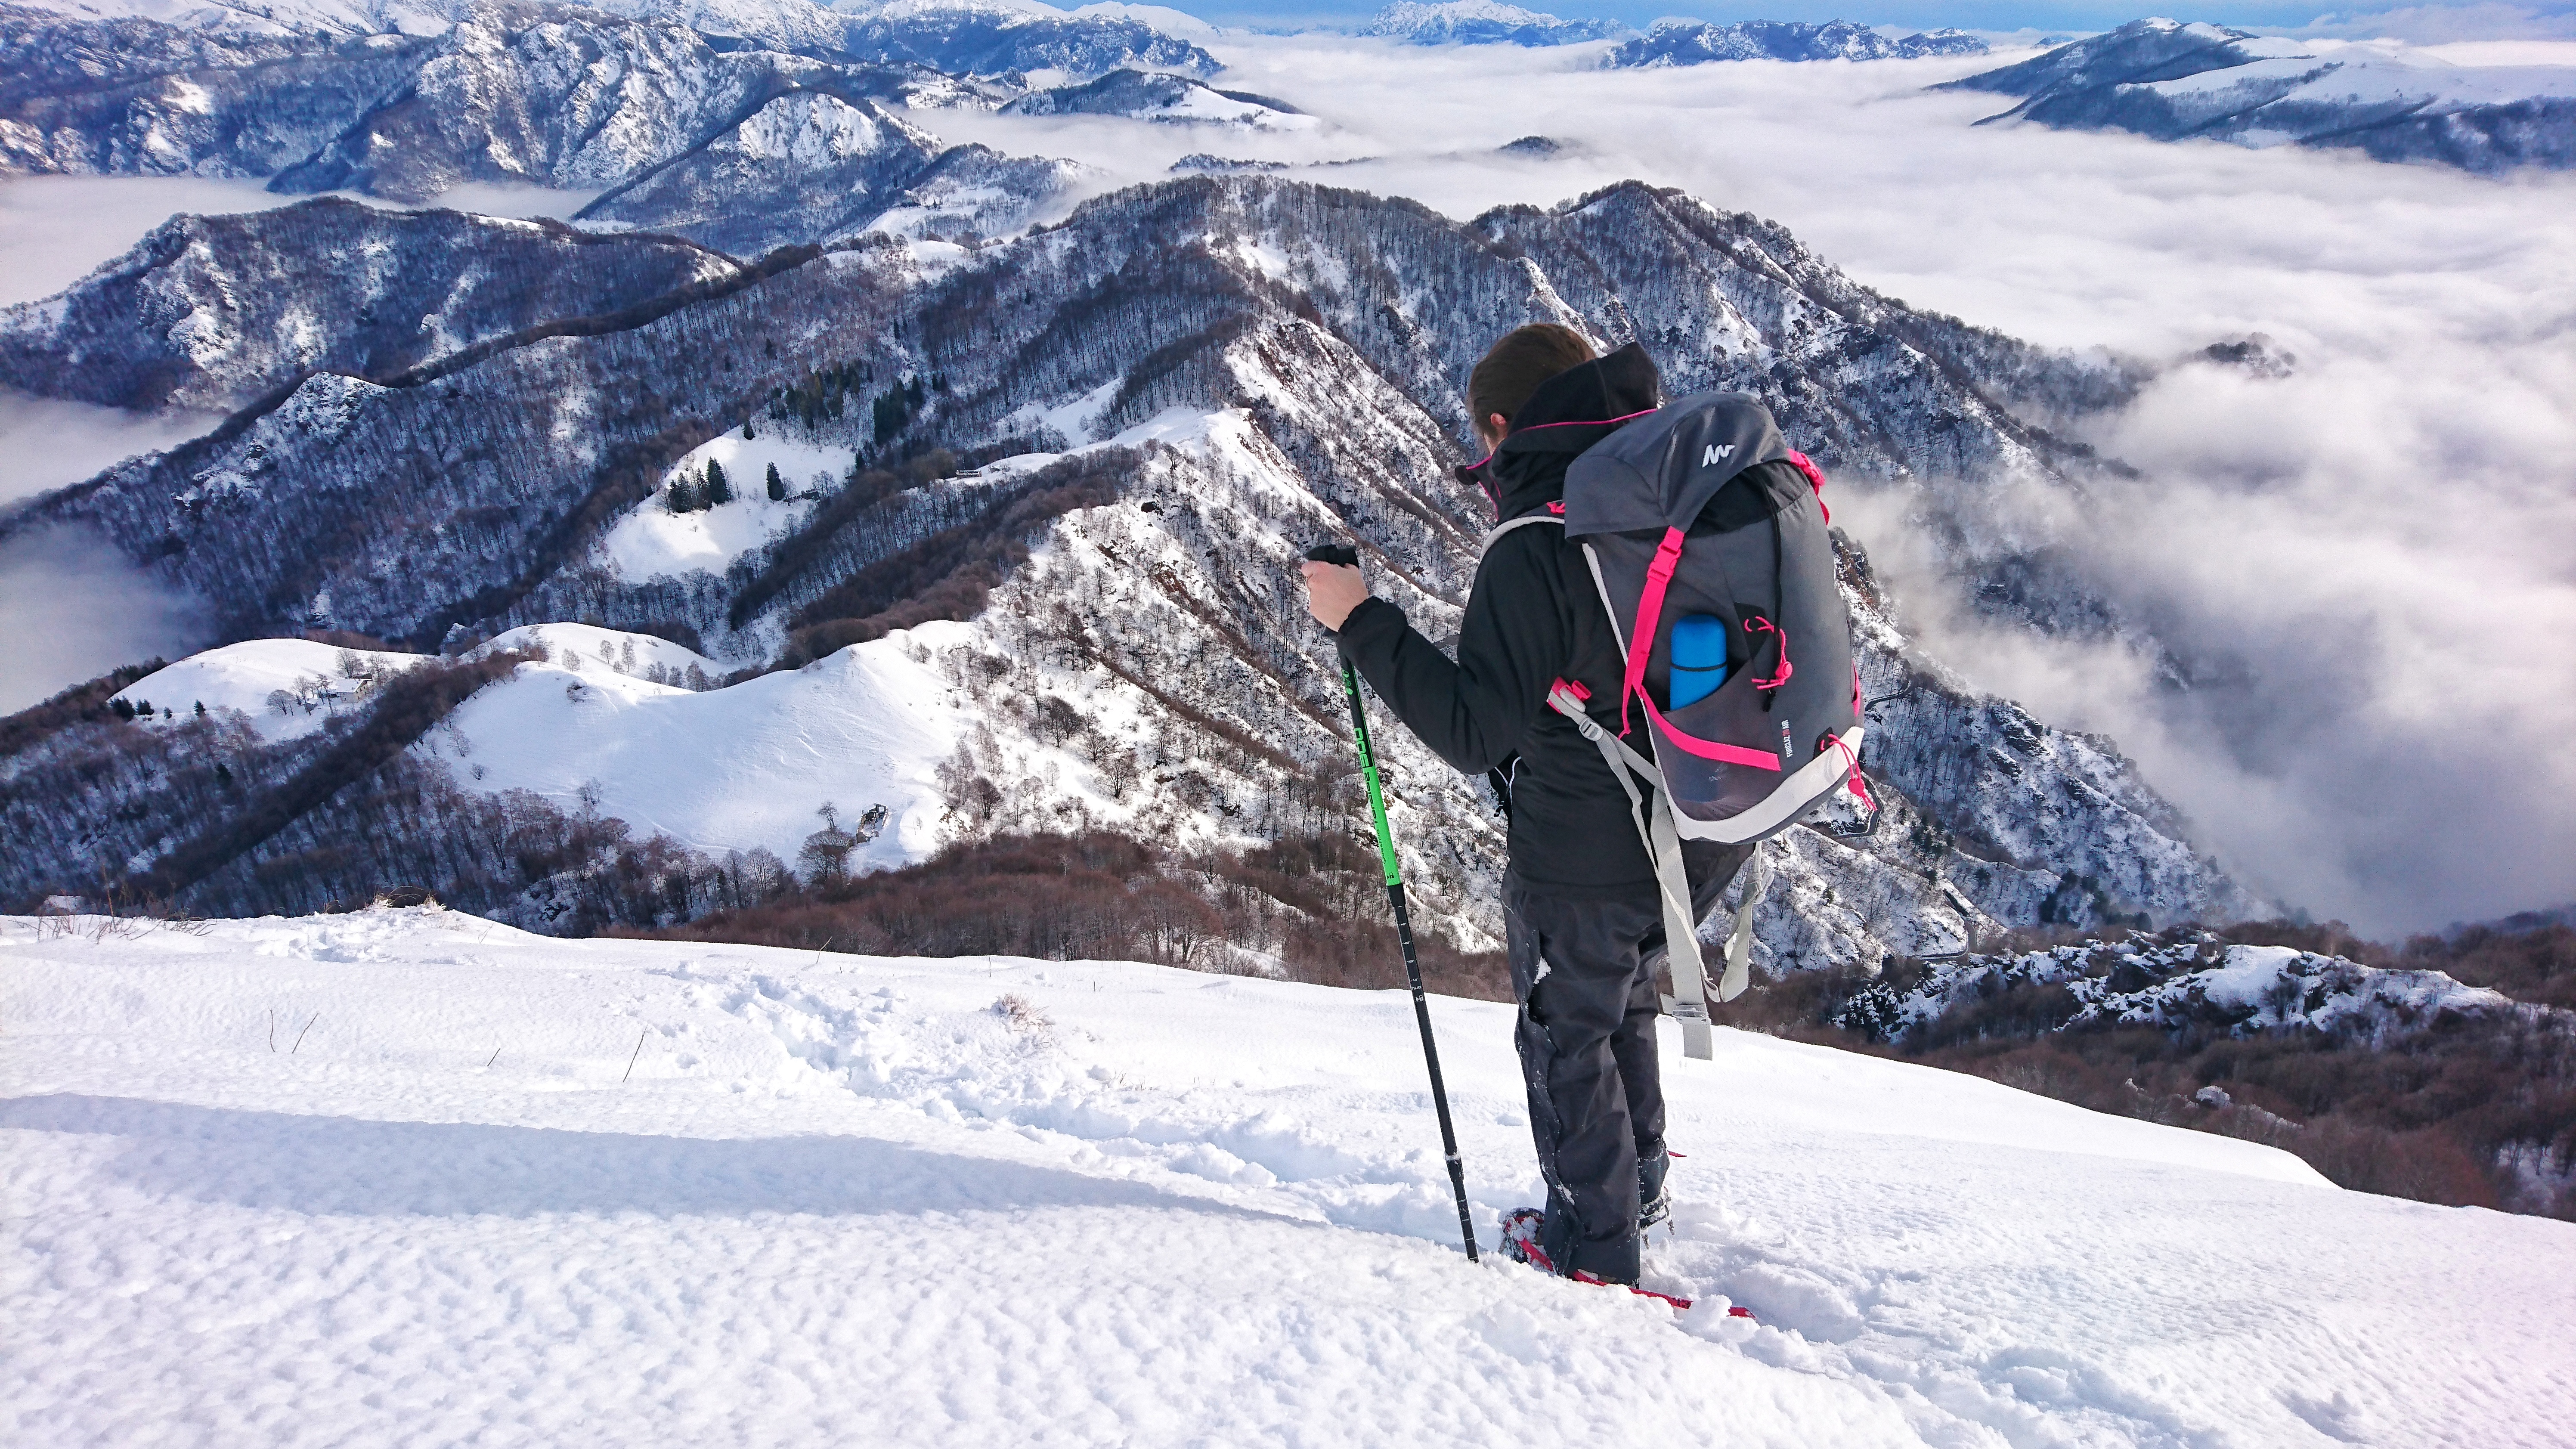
(1534, 616)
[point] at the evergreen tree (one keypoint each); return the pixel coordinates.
(683, 496)
(777, 485)
(718, 490)
(746, 430)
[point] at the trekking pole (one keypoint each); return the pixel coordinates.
(1348, 557)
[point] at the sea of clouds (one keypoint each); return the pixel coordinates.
(2356, 579)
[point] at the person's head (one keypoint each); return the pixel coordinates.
(1513, 369)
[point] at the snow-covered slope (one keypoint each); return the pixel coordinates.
(285, 688)
(405, 1176)
(829, 164)
(2394, 102)
(651, 541)
(741, 768)
(1151, 97)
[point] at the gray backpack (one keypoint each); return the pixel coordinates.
(1701, 512)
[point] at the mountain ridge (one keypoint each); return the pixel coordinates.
(2171, 81)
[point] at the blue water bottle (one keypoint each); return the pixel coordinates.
(1699, 658)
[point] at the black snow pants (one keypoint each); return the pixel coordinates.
(1586, 972)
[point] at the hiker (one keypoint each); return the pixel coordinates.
(1582, 919)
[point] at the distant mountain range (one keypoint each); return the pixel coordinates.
(964, 37)
(1671, 42)
(2174, 82)
(1690, 42)
(1485, 22)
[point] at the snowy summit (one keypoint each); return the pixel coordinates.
(477, 1185)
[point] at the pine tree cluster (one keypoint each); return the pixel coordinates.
(707, 490)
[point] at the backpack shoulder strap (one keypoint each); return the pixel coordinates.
(1653, 815)
(1486, 544)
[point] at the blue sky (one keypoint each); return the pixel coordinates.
(2493, 19)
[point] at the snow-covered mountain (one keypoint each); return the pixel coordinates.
(613, 1182)
(571, 97)
(1484, 22)
(213, 312)
(982, 37)
(1233, 368)
(1148, 96)
(2174, 82)
(1695, 42)
(834, 166)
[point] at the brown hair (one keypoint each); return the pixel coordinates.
(1513, 369)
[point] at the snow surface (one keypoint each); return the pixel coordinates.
(727, 769)
(242, 676)
(651, 540)
(384, 1178)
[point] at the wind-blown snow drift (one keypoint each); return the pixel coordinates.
(385, 1178)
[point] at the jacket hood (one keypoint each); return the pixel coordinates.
(1569, 413)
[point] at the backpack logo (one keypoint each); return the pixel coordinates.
(1716, 454)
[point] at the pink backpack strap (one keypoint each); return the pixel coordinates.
(1815, 480)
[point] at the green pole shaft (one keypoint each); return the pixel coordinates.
(1368, 769)
(1412, 962)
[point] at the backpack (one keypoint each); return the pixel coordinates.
(1700, 511)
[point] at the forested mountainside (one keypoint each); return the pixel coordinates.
(1285, 360)
(560, 96)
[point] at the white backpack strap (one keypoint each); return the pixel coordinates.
(1654, 819)
(1739, 946)
(1508, 524)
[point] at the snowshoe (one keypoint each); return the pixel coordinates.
(1520, 1239)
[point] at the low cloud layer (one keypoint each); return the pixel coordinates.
(68, 601)
(46, 443)
(2363, 566)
